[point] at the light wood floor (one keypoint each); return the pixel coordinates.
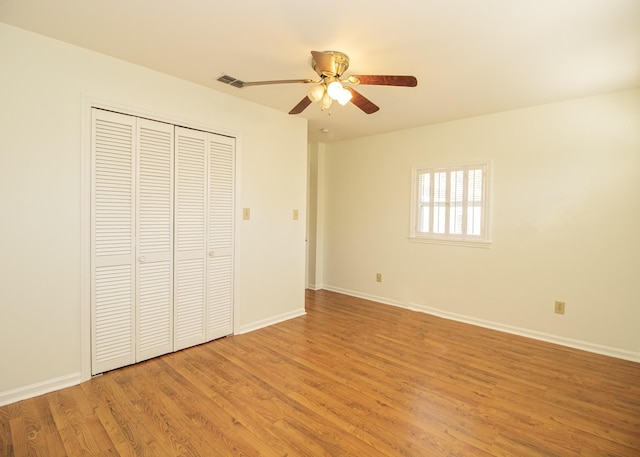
(352, 377)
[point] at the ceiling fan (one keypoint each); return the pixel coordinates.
(330, 66)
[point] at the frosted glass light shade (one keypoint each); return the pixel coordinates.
(326, 101)
(344, 97)
(334, 89)
(316, 92)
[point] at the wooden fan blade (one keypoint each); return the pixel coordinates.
(277, 81)
(362, 102)
(325, 63)
(384, 80)
(300, 107)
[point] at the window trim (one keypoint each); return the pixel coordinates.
(482, 241)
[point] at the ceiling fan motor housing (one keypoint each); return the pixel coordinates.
(329, 63)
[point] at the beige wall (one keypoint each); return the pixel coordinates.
(565, 217)
(44, 88)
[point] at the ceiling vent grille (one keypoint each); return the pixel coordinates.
(226, 79)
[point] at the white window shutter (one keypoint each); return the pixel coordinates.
(112, 243)
(190, 237)
(220, 265)
(154, 292)
(450, 204)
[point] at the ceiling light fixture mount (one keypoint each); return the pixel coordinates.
(330, 87)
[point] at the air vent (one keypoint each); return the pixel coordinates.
(226, 79)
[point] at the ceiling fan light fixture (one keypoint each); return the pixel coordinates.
(345, 96)
(325, 103)
(316, 92)
(334, 89)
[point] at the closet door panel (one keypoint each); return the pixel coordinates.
(190, 291)
(190, 237)
(154, 278)
(112, 240)
(220, 239)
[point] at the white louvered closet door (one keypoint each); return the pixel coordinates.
(132, 240)
(220, 239)
(161, 238)
(112, 243)
(205, 169)
(190, 237)
(154, 234)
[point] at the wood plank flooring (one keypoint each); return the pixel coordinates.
(351, 378)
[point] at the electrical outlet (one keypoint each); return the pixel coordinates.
(559, 307)
(378, 277)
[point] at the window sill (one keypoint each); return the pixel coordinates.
(483, 244)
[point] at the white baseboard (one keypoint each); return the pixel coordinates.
(39, 388)
(50, 385)
(314, 287)
(270, 321)
(376, 298)
(562, 341)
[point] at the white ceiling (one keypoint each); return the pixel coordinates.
(471, 57)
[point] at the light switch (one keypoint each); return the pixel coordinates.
(246, 214)
(295, 214)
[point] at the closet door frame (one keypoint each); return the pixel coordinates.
(88, 103)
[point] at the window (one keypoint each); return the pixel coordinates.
(451, 204)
